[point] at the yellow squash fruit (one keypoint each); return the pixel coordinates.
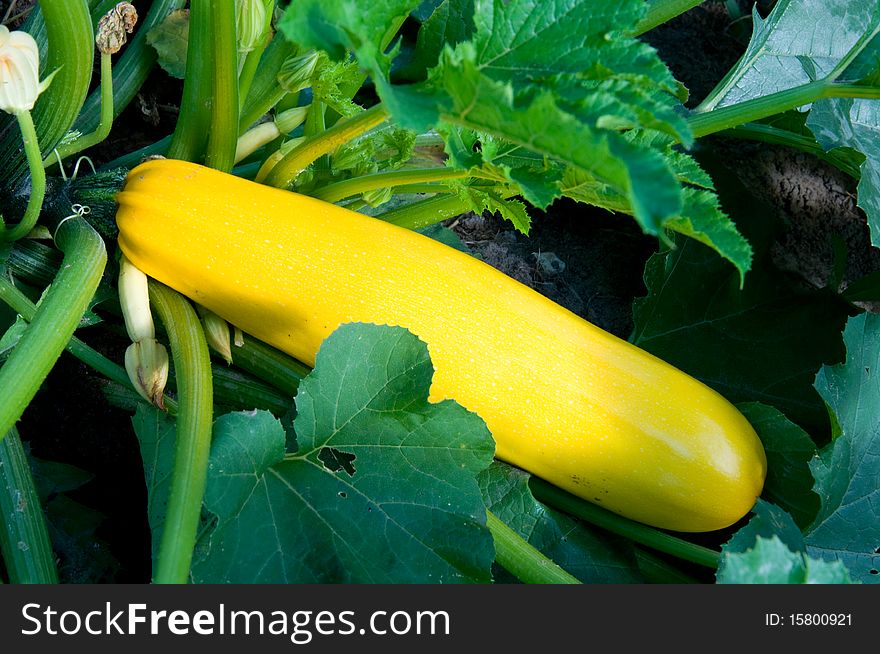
(563, 399)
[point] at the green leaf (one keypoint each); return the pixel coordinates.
(560, 79)
(11, 337)
(854, 124)
(847, 470)
(512, 210)
(358, 26)
(169, 38)
(800, 41)
(450, 23)
(767, 521)
(52, 478)
(764, 343)
(771, 562)
(382, 489)
(446, 236)
(83, 557)
(703, 220)
(543, 126)
(156, 432)
(587, 553)
(806, 40)
(789, 451)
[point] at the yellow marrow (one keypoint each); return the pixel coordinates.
(563, 399)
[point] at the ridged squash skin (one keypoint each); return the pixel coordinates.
(563, 399)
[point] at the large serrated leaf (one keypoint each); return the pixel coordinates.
(799, 42)
(382, 488)
(771, 562)
(848, 471)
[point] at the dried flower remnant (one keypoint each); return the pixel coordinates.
(115, 26)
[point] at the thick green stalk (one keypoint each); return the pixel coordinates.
(193, 122)
(223, 127)
(131, 159)
(38, 180)
(24, 538)
(390, 179)
(102, 131)
(269, 364)
(192, 368)
(425, 213)
(522, 560)
(422, 189)
(703, 123)
(55, 320)
(298, 159)
(657, 571)
(635, 531)
(132, 69)
(661, 11)
(71, 53)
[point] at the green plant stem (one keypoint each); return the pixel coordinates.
(269, 364)
(298, 159)
(248, 72)
(131, 159)
(24, 538)
(193, 122)
(23, 306)
(431, 211)
(105, 122)
(705, 122)
(422, 189)
(394, 178)
(315, 125)
(661, 11)
(55, 320)
(71, 52)
(223, 127)
(192, 368)
(131, 69)
(657, 571)
(264, 91)
(776, 136)
(38, 180)
(635, 531)
(522, 560)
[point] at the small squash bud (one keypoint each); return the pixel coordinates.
(146, 362)
(114, 27)
(290, 119)
(296, 72)
(20, 84)
(134, 298)
(378, 196)
(216, 333)
(250, 23)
